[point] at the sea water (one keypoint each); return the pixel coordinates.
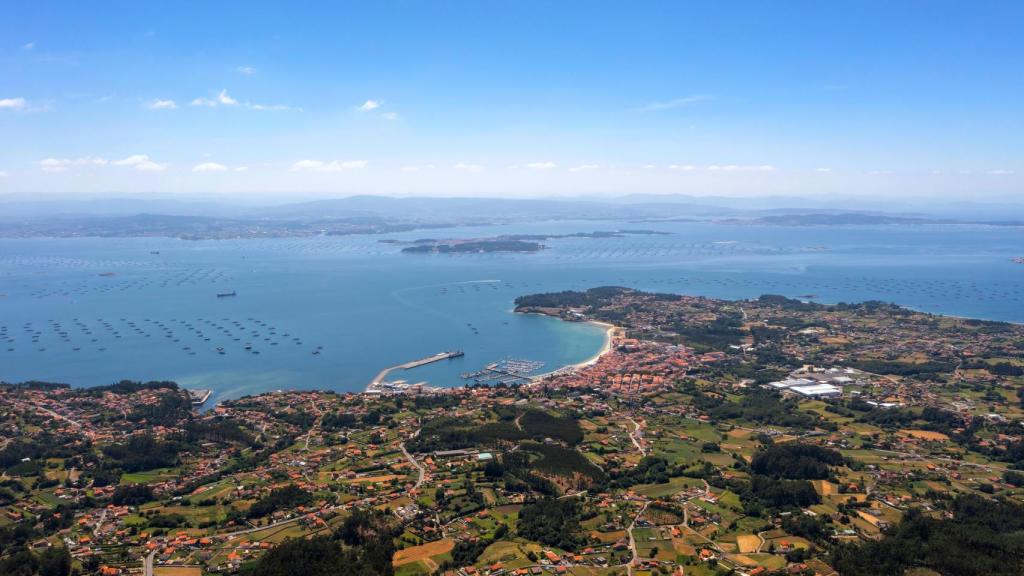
(329, 312)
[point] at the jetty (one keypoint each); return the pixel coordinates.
(378, 380)
(199, 397)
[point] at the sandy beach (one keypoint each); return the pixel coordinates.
(609, 334)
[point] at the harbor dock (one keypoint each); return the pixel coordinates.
(199, 397)
(378, 380)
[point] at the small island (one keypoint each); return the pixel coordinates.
(470, 246)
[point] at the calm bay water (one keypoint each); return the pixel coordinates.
(330, 312)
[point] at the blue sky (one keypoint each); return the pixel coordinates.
(513, 98)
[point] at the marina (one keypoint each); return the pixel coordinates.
(508, 372)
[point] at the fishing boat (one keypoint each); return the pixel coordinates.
(227, 294)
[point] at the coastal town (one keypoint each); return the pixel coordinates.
(754, 437)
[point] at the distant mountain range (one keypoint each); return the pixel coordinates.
(193, 218)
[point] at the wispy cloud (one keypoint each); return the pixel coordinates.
(241, 168)
(410, 168)
(140, 162)
(584, 168)
(222, 98)
(541, 165)
(209, 167)
(333, 166)
(822, 169)
(682, 167)
(464, 167)
(159, 104)
(390, 115)
(28, 46)
(675, 103)
(741, 168)
(280, 107)
(13, 103)
(1000, 172)
(368, 106)
(245, 70)
(62, 164)
(3, 174)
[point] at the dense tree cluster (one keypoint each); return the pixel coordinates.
(795, 461)
(539, 425)
(131, 495)
(983, 538)
(285, 497)
(144, 452)
(552, 521)
(51, 562)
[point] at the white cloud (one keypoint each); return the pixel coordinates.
(468, 167)
(209, 167)
(241, 168)
(368, 106)
(390, 115)
(283, 107)
(159, 104)
(1000, 172)
(541, 165)
(54, 165)
(822, 169)
(584, 168)
(13, 103)
(682, 167)
(333, 166)
(140, 162)
(3, 174)
(741, 168)
(62, 164)
(410, 168)
(222, 97)
(649, 166)
(226, 100)
(28, 45)
(245, 70)
(676, 103)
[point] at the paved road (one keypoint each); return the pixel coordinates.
(147, 564)
(636, 437)
(632, 540)
(58, 416)
(422, 471)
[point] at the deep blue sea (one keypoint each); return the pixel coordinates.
(92, 311)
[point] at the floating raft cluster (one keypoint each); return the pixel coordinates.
(201, 335)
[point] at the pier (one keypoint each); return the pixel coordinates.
(199, 397)
(378, 380)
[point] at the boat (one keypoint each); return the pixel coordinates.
(226, 294)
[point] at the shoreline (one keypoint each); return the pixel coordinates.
(609, 339)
